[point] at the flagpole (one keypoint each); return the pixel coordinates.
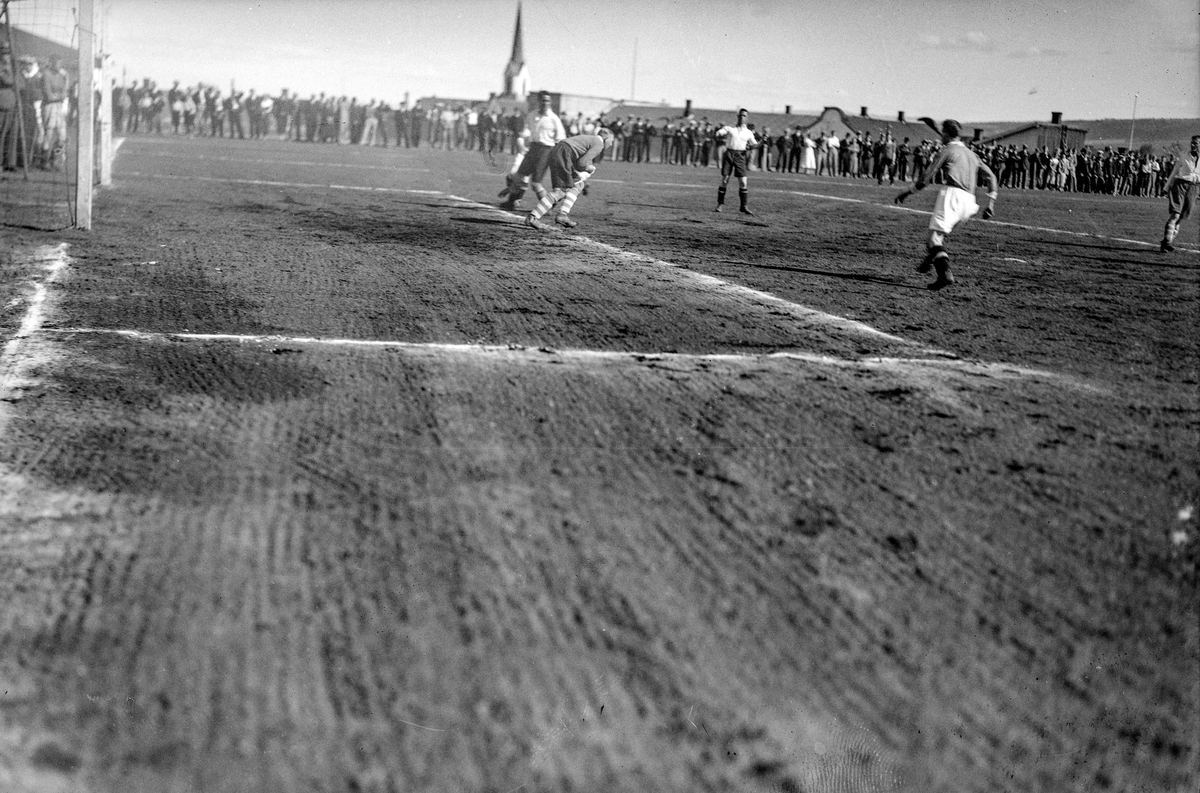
(1133, 122)
(633, 76)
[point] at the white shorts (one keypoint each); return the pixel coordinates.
(953, 206)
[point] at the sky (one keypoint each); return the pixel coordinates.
(978, 60)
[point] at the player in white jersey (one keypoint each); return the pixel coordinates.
(543, 129)
(1181, 193)
(956, 170)
(737, 141)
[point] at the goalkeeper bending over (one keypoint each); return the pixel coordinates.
(571, 163)
(956, 168)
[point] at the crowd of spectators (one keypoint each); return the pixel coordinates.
(794, 150)
(34, 100)
(208, 111)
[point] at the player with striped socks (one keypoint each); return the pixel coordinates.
(571, 163)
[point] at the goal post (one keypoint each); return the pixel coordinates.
(86, 134)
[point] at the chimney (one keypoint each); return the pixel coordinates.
(864, 111)
(900, 116)
(787, 110)
(1056, 117)
(978, 134)
(687, 107)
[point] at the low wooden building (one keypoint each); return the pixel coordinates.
(1037, 134)
(660, 114)
(835, 120)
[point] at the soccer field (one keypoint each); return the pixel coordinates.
(319, 472)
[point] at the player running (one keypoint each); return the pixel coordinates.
(571, 163)
(957, 169)
(737, 140)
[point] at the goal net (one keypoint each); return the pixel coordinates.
(55, 136)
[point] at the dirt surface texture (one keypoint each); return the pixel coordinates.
(320, 472)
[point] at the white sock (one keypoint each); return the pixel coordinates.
(568, 202)
(545, 203)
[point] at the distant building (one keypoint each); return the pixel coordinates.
(833, 119)
(570, 105)
(664, 113)
(29, 44)
(1035, 135)
(427, 102)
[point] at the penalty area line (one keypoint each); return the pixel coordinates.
(719, 286)
(896, 364)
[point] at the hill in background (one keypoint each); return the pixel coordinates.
(1161, 133)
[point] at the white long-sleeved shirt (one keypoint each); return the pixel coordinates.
(1186, 169)
(737, 138)
(546, 130)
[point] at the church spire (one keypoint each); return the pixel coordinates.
(518, 50)
(516, 76)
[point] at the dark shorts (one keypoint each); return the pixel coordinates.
(536, 160)
(1181, 196)
(734, 162)
(562, 167)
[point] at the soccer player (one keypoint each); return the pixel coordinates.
(543, 129)
(737, 140)
(1181, 193)
(571, 162)
(957, 169)
(55, 85)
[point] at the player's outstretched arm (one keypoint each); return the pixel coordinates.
(993, 186)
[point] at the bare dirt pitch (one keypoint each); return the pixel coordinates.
(319, 474)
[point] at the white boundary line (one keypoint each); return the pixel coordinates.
(998, 370)
(15, 364)
(268, 183)
(311, 163)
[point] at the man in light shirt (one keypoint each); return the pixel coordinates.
(543, 129)
(1181, 193)
(737, 140)
(56, 84)
(957, 169)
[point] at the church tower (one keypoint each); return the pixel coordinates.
(516, 76)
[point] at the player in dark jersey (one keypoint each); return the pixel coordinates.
(572, 161)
